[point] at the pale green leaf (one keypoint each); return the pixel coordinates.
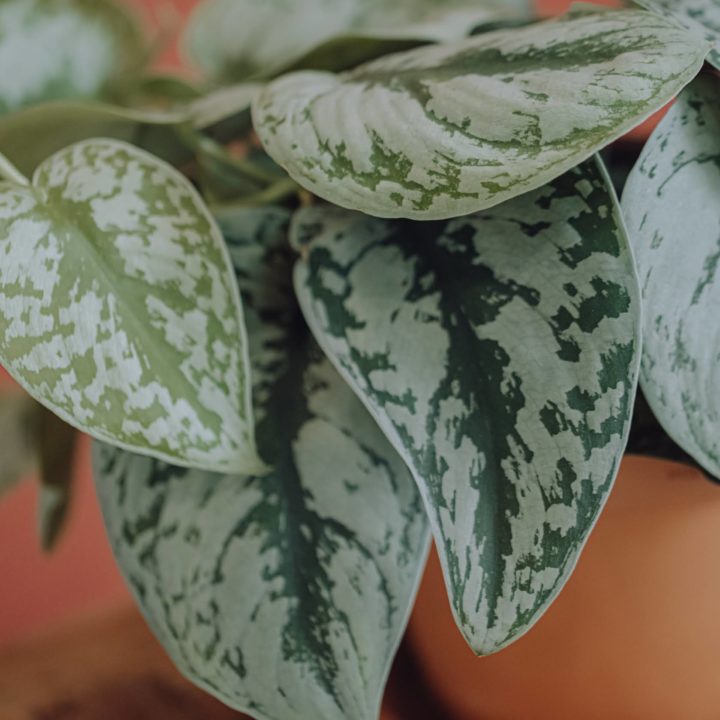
(120, 309)
(671, 207)
(285, 596)
(29, 136)
(499, 353)
(451, 129)
(53, 49)
(238, 39)
(700, 16)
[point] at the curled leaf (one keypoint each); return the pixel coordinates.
(447, 130)
(235, 40)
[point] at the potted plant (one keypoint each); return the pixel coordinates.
(365, 282)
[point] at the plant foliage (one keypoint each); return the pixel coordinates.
(363, 281)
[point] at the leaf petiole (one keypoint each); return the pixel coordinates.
(9, 172)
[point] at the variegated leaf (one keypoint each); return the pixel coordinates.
(63, 49)
(700, 16)
(285, 596)
(499, 353)
(120, 312)
(29, 136)
(237, 39)
(447, 130)
(673, 215)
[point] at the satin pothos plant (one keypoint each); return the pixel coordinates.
(363, 282)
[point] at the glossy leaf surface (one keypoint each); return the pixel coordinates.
(499, 353)
(447, 130)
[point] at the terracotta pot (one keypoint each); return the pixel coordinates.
(635, 635)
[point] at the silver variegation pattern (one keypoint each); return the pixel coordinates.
(63, 49)
(285, 595)
(671, 207)
(499, 352)
(120, 311)
(447, 130)
(700, 16)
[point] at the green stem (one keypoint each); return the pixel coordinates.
(11, 173)
(210, 148)
(275, 193)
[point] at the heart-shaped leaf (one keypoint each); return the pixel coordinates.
(671, 206)
(499, 353)
(700, 16)
(63, 49)
(120, 311)
(29, 136)
(285, 596)
(451, 129)
(237, 39)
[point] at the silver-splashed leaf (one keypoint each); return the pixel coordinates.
(120, 311)
(63, 49)
(238, 39)
(671, 207)
(285, 596)
(451, 129)
(700, 16)
(499, 353)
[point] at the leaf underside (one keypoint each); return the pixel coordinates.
(499, 354)
(447, 130)
(285, 596)
(120, 309)
(671, 207)
(239, 39)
